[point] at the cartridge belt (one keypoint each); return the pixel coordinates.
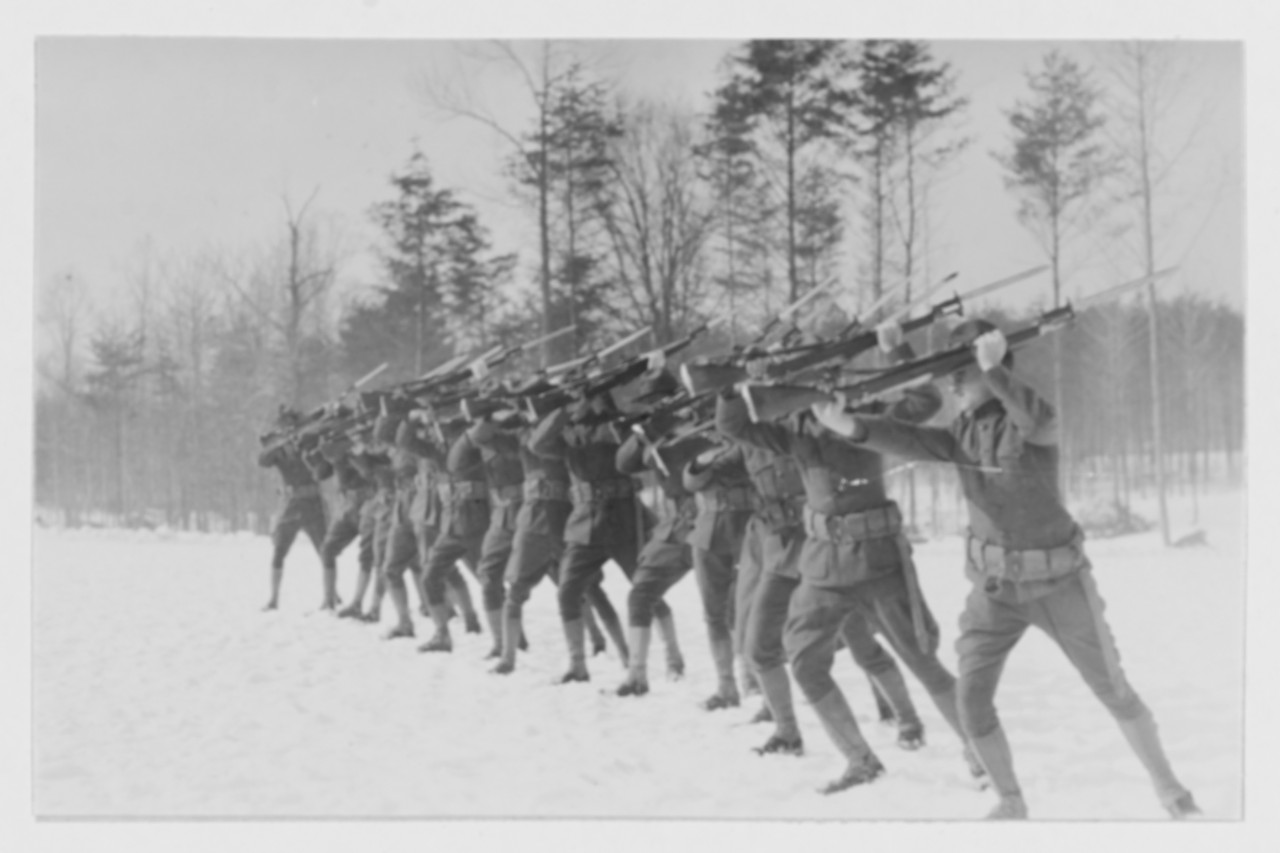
(596, 491)
(1031, 564)
(854, 526)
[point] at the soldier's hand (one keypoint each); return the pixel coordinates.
(889, 335)
(832, 415)
(990, 349)
(655, 361)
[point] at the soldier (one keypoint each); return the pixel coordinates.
(1024, 556)
(855, 566)
(771, 549)
(464, 494)
(666, 556)
(607, 521)
(725, 498)
(538, 537)
(374, 464)
(332, 459)
(303, 504)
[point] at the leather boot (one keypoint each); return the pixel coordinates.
(842, 727)
(637, 680)
(440, 641)
(947, 707)
(993, 751)
(893, 688)
(613, 627)
(593, 630)
(353, 610)
(726, 695)
(675, 660)
(330, 576)
(776, 686)
(277, 577)
(494, 618)
(400, 598)
(574, 640)
(512, 631)
(1144, 738)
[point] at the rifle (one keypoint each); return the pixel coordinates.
(311, 422)
(540, 405)
(773, 402)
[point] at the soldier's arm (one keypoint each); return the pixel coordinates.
(630, 456)
(733, 420)
(1031, 414)
(319, 466)
(270, 458)
(699, 477)
(909, 441)
(547, 438)
(409, 439)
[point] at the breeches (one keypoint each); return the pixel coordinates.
(582, 567)
(766, 619)
(661, 566)
(716, 581)
(1072, 615)
(819, 613)
(345, 528)
(300, 513)
(495, 552)
(443, 560)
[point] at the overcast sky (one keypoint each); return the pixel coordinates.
(183, 144)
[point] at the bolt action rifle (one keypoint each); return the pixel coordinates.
(773, 402)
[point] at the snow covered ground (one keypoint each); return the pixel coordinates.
(160, 690)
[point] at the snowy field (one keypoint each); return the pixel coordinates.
(160, 690)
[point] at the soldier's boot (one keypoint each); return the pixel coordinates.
(776, 686)
(1144, 738)
(947, 707)
(842, 727)
(512, 633)
(884, 711)
(762, 715)
(726, 695)
(460, 594)
(330, 575)
(637, 681)
(400, 598)
(353, 610)
(675, 660)
(612, 625)
(440, 641)
(574, 641)
(996, 756)
(277, 575)
(593, 630)
(750, 685)
(374, 613)
(892, 688)
(494, 618)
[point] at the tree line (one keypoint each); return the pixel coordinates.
(808, 154)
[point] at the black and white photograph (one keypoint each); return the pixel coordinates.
(791, 427)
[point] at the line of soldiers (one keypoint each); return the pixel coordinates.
(784, 521)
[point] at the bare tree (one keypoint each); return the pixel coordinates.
(1147, 79)
(455, 97)
(656, 220)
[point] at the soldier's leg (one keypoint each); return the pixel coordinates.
(365, 531)
(750, 566)
(533, 556)
(343, 531)
(494, 555)
(580, 567)
(444, 556)
(765, 652)
(715, 577)
(810, 639)
(989, 629)
(629, 560)
(886, 678)
(1074, 616)
(402, 556)
(661, 566)
(283, 532)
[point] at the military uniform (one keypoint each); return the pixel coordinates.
(607, 521)
(855, 575)
(666, 556)
(725, 499)
(1026, 561)
(350, 521)
(303, 510)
